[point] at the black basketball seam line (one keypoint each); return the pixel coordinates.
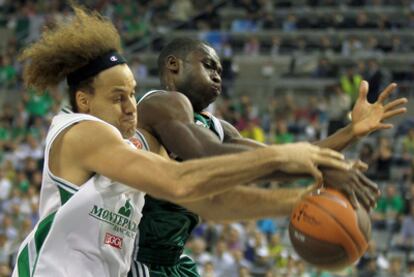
(331, 196)
(335, 197)
(337, 221)
(316, 239)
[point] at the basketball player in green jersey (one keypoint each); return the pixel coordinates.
(190, 74)
(94, 178)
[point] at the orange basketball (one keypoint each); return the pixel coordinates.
(327, 232)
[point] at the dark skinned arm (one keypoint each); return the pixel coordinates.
(353, 183)
(167, 113)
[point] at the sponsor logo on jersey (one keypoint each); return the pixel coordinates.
(113, 240)
(136, 142)
(120, 221)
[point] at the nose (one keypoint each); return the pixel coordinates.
(216, 78)
(130, 105)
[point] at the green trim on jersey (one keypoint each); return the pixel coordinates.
(65, 191)
(23, 260)
(23, 265)
(64, 195)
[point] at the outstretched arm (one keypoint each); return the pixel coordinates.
(92, 141)
(244, 203)
(366, 118)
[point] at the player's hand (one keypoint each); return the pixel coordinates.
(305, 158)
(367, 118)
(356, 186)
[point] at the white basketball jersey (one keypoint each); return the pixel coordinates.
(82, 231)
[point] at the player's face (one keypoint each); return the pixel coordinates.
(200, 77)
(114, 99)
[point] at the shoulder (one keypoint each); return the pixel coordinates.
(165, 98)
(87, 135)
(229, 130)
(164, 105)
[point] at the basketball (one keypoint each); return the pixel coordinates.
(327, 232)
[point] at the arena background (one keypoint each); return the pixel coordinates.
(291, 72)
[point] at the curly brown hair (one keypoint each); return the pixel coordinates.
(66, 47)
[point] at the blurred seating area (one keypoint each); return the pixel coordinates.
(291, 71)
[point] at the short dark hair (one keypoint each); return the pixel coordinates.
(180, 48)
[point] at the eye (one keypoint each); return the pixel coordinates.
(208, 65)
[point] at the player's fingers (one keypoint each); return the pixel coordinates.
(372, 186)
(331, 153)
(362, 193)
(385, 126)
(363, 90)
(386, 92)
(395, 103)
(395, 112)
(324, 161)
(317, 175)
(360, 165)
(350, 193)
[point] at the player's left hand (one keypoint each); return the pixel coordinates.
(356, 186)
(367, 118)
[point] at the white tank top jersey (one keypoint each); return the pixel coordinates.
(83, 231)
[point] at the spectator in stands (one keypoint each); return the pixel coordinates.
(395, 268)
(262, 263)
(223, 261)
(383, 156)
(408, 143)
(342, 102)
(290, 23)
(244, 272)
(325, 46)
(351, 46)
(397, 46)
(268, 21)
(275, 47)
(139, 69)
(405, 240)
(389, 210)
(362, 21)
(5, 270)
(5, 186)
(350, 81)
(410, 269)
(324, 69)
(181, 11)
(372, 47)
(209, 270)
(198, 253)
(240, 260)
(370, 269)
(280, 133)
(277, 251)
(366, 154)
(8, 74)
(252, 46)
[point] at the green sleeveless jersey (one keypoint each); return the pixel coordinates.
(165, 227)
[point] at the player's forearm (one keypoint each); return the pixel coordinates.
(202, 178)
(339, 140)
(261, 203)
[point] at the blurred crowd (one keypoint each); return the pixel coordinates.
(255, 248)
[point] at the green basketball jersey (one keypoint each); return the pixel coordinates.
(165, 227)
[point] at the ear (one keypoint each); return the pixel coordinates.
(82, 101)
(173, 64)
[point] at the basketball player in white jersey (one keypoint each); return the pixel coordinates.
(94, 180)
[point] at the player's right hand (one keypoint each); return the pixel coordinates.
(305, 158)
